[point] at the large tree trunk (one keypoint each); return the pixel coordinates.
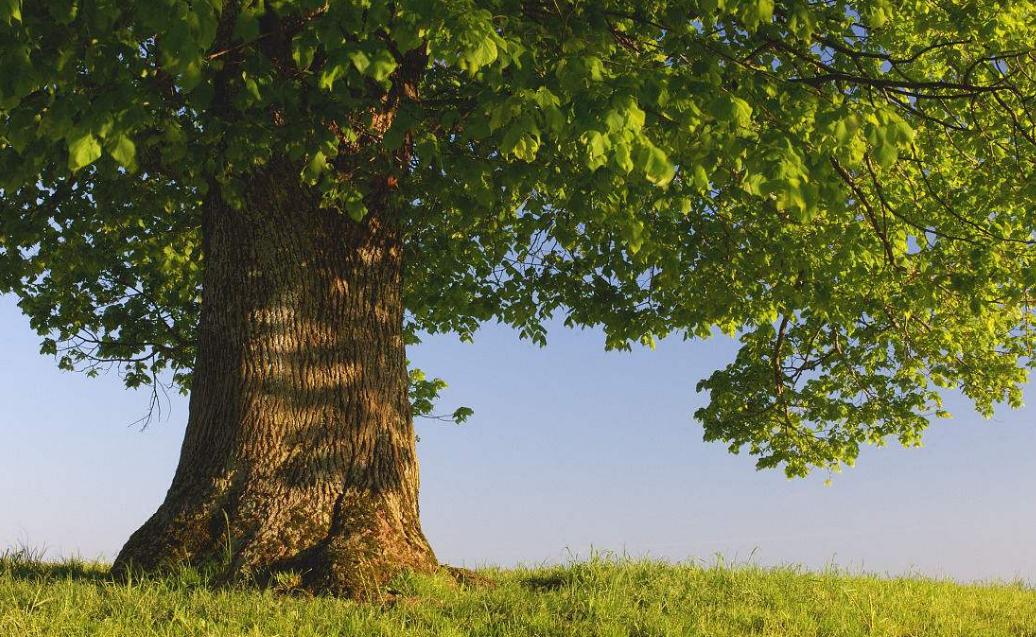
(299, 452)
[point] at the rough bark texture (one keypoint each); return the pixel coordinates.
(299, 452)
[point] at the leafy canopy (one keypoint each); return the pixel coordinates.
(842, 184)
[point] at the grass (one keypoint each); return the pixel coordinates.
(602, 597)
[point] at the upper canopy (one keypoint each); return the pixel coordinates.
(844, 185)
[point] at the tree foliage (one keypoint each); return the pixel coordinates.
(844, 185)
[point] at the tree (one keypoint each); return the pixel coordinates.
(266, 200)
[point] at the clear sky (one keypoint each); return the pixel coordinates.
(570, 448)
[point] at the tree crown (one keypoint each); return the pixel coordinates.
(841, 184)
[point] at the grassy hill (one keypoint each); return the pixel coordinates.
(598, 598)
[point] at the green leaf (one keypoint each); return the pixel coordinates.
(522, 139)
(252, 87)
(21, 129)
(656, 165)
(191, 75)
(482, 54)
(555, 118)
(622, 157)
(742, 112)
(596, 146)
(382, 66)
(701, 178)
(83, 151)
(246, 27)
(886, 153)
(124, 151)
(635, 235)
(635, 116)
(841, 131)
(302, 52)
(10, 10)
(732, 109)
(360, 60)
(764, 11)
(461, 414)
(355, 207)
(64, 11)
(315, 167)
(337, 67)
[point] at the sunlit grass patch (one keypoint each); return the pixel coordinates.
(600, 597)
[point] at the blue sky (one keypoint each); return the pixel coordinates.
(570, 448)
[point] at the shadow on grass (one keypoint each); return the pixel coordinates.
(547, 582)
(30, 566)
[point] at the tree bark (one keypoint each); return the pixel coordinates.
(299, 452)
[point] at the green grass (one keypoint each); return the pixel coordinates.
(601, 597)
